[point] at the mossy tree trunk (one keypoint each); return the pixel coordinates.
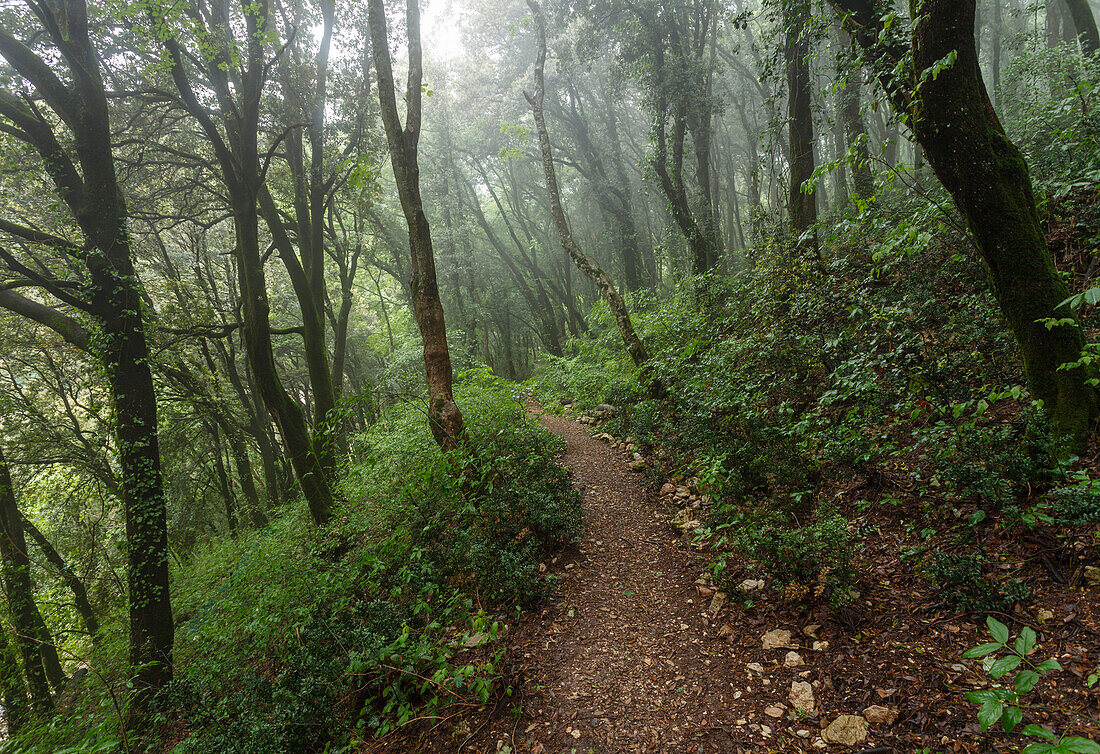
(1085, 22)
(12, 689)
(802, 203)
(83, 172)
(987, 175)
(444, 416)
(20, 592)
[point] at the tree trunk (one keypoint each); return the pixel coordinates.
(80, 592)
(114, 300)
(592, 271)
(802, 206)
(12, 688)
(308, 468)
(855, 130)
(988, 178)
(1085, 23)
(29, 635)
(444, 415)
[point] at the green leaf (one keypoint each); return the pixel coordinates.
(980, 697)
(1026, 681)
(1039, 731)
(997, 629)
(1004, 666)
(981, 650)
(1038, 749)
(990, 713)
(1079, 745)
(1025, 642)
(1011, 718)
(1048, 665)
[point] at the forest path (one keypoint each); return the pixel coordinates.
(625, 657)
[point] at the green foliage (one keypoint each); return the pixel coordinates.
(292, 638)
(806, 563)
(991, 464)
(598, 371)
(68, 734)
(1004, 703)
(1078, 505)
(1054, 121)
(967, 583)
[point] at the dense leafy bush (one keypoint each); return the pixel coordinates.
(967, 583)
(1078, 505)
(991, 464)
(808, 562)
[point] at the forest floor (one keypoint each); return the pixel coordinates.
(633, 653)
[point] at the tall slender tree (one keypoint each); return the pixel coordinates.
(443, 413)
(230, 65)
(592, 271)
(802, 203)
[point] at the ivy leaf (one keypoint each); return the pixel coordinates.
(1011, 718)
(1079, 745)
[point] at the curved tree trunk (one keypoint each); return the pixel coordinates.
(113, 298)
(592, 271)
(76, 586)
(1085, 22)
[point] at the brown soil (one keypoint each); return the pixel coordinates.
(627, 657)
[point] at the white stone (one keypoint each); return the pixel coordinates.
(876, 714)
(779, 638)
(802, 697)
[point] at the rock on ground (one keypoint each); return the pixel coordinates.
(779, 638)
(846, 729)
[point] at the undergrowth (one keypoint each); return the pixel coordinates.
(296, 639)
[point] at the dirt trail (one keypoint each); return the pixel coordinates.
(625, 657)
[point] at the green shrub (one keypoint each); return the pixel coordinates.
(806, 563)
(1077, 506)
(291, 638)
(967, 583)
